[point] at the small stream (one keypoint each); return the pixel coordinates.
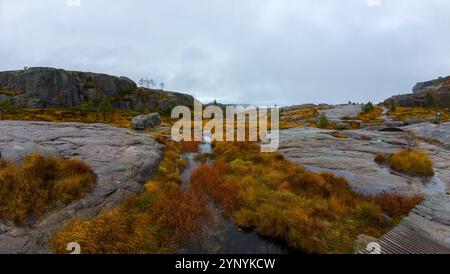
(221, 235)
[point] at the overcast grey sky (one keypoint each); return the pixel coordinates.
(242, 51)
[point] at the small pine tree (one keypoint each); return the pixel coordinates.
(323, 121)
(367, 107)
(6, 107)
(105, 108)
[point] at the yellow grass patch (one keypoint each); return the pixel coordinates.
(373, 116)
(412, 162)
(408, 113)
(41, 184)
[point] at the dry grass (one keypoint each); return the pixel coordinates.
(189, 146)
(381, 158)
(408, 113)
(412, 162)
(118, 118)
(293, 118)
(316, 213)
(41, 184)
(158, 221)
(397, 206)
(339, 135)
(373, 116)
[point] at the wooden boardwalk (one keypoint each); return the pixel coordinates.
(404, 240)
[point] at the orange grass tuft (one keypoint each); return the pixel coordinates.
(41, 184)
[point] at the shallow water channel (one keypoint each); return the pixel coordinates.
(220, 234)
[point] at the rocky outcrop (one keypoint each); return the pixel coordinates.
(431, 93)
(142, 122)
(121, 159)
(433, 84)
(57, 88)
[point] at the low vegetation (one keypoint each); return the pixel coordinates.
(412, 162)
(397, 206)
(301, 116)
(370, 114)
(366, 108)
(158, 221)
(410, 113)
(324, 122)
(85, 113)
(381, 158)
(6, 107)
(189, 146)
(311, 212)
(373, 117)
(339, 135)
(41, 184)
(408, 161)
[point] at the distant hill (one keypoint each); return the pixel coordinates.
(42, 87)
(430, 93)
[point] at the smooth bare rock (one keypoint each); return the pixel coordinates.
(142, 122)
(337, 113)
(353, 158)
(121, 159)
(431, 219)
(437, 132)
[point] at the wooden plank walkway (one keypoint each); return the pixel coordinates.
(404, 240)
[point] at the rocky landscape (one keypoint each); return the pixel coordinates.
(56, 88)
(430, 93)
(122, 161)
(352, 156)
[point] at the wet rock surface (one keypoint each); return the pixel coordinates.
(431, 219)
(121, 159)
(353, 158)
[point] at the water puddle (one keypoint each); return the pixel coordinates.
(435, 186)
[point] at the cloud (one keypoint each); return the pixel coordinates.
(73, 3)
(255, 51)
(374, 3)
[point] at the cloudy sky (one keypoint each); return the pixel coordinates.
(247, 51)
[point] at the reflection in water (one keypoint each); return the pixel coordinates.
(220, 234)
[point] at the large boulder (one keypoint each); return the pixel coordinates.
(146, 121)
(57, 88)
